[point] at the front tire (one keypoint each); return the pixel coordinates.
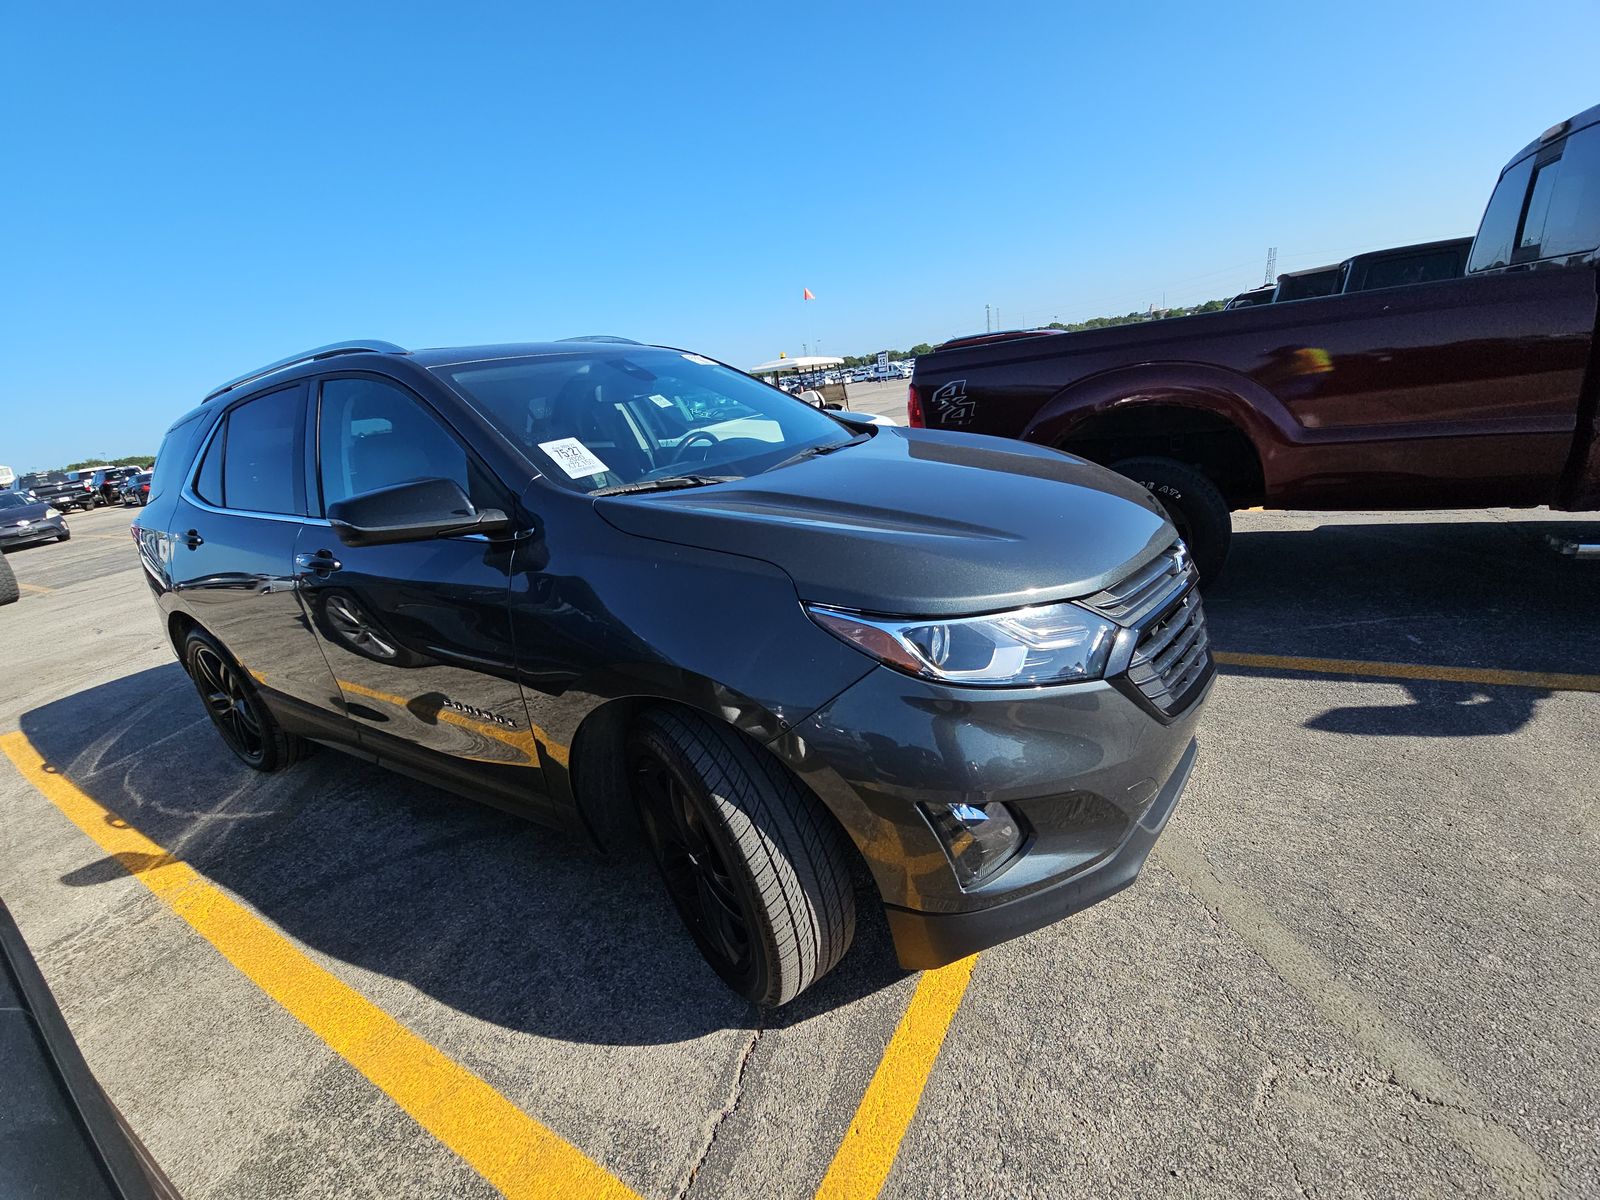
(10, 590)
(1193, 504)
(754, 864)
(235, 707)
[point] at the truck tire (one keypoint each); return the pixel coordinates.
(9, 591)
(1193, 504)
(752, 861)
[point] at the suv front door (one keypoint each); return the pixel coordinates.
(417, 634)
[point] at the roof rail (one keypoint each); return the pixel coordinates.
(603, 337)
(332, 350)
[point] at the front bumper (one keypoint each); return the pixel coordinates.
(38, 531)
(924, 940)
(1091, 774)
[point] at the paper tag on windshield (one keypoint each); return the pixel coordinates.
(661, 401)
(573, 457)
(696, 358)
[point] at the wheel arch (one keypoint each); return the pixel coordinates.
(1216, 421)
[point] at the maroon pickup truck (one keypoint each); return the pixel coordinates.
(1465, 392)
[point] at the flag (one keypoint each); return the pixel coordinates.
(808, 295)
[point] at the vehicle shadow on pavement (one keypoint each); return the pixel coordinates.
(1438, 710)
(1455, 593)
(495, 917)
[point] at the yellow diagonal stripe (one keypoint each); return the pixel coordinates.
(867, 1153)
(1548, 680)
(497, 1139)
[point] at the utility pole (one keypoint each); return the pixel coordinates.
(1272, 267)
(987, 327)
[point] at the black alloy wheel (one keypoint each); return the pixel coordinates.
(231, 710)
(698, 879)
(235, 708)
(756, 866)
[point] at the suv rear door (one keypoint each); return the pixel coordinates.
(230, 544)
(417, 634)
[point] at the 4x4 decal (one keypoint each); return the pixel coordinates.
(952, 403)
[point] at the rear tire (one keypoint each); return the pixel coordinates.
(1193, 504)
(755, 865)
(235, 707)
(9, 589)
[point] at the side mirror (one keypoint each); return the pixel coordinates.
(411, 512)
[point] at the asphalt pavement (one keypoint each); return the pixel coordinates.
(1363, 960)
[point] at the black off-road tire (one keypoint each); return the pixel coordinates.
(262, 744)
(9, 590)
(782, 854)
(1193, 504)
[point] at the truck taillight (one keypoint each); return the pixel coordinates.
(914, 408)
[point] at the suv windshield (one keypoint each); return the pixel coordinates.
(644, 417)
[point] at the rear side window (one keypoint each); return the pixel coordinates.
(256, 461)
(1564, 209)
(208, 482)
(373, 434)
(1496, 235)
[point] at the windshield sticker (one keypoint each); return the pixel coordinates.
(573, 457)
(695, 358)
(661, 401)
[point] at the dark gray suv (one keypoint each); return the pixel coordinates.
(618, 587)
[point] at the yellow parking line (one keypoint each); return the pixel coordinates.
(507, 1147)
(1547, 680)
(34, 587)
(867, 1154)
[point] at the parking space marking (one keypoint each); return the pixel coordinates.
(510, 1149)
(34, 587)
(1546, 680)
(1407, 1061)
(867, 1154)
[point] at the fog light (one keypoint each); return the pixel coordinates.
(979, 840)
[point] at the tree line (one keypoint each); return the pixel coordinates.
(921, 348)
(127, 460)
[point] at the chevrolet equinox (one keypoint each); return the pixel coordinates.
(613, 586)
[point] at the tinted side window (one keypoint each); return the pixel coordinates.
(1568, 214)
(373, 434)
(263, 458)
(1492, 247)
(208, 482)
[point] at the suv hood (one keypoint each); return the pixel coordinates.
(919, 523)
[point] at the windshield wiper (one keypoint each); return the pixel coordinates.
(814, 451)
(664, 484)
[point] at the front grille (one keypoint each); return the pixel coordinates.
(1172, 655)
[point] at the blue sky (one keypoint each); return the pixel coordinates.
(195, 189)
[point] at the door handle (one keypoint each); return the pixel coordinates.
(193, 540)
(322, 562)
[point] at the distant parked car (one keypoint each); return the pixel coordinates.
(136, 491)
(109, 481)
(65, 489)
(24, 521)
(1260, 295)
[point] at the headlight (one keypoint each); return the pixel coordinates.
(1049, 643)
